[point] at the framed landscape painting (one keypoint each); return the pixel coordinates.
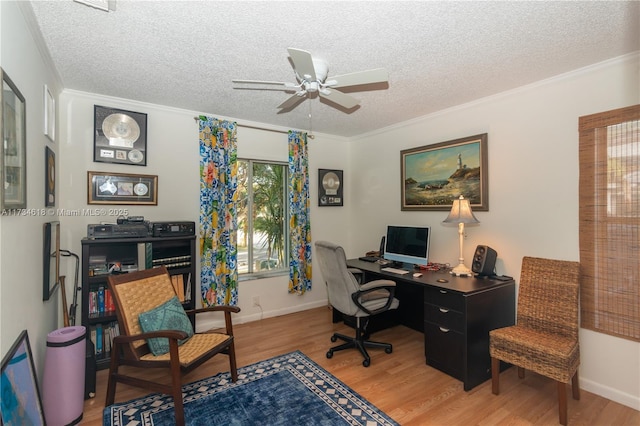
(435, 175)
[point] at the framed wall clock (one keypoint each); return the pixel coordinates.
(119, 136)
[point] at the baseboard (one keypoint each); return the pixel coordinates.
(631, 401)
(207, 324)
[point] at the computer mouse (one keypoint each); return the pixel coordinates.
(417, 274)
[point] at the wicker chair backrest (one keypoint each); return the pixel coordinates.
(548, 296)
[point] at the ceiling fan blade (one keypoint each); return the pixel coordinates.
(336, 96)
(378, 75)
(260, 82)
(291, 102)
(302, 63)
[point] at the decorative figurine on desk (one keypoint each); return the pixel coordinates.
(461, 213)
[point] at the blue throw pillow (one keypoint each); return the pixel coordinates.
(168, 316)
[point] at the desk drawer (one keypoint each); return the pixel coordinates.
(445, 298)
(445, 317)
(444, 349)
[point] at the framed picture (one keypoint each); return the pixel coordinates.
(122, 188)
(49, 177)
(119, 136)
(49, 114)
(21, 402)
(435, 175)
(330, 186)
(51, 259)
(13, 188)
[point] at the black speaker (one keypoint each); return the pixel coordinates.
(484, 261)
(382, 247)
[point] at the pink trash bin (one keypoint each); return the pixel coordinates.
(63, 381)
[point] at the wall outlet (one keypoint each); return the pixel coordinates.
(256, 300)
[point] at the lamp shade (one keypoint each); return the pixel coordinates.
(461, 212)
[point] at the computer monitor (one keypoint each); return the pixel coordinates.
(407, 244)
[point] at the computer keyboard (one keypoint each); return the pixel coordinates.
(395, 271)
(369, 258)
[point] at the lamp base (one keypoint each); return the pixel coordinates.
(461, 271)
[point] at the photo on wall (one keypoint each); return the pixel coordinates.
(330, 185)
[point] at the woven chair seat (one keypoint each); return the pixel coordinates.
(553, 356)
(193, 349)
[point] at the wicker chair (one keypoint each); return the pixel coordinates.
(545, 337)
(138, 292)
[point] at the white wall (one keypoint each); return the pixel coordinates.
(173, 155)
(533, 189)
(21, 236)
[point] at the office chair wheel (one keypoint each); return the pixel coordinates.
(330, 354)
(334, 338)
(366, 362)
(388, 350)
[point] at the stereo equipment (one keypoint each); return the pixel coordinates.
(130, 220)
(117, 231)
(382, 247)
(484, 261)
(173, 229)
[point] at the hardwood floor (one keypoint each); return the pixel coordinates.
(400, 384)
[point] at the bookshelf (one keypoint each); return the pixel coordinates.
(102, 257)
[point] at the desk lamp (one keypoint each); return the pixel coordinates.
(461, 213)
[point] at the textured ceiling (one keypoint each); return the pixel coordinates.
(184, 54)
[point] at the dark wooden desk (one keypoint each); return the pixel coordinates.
(455, 317)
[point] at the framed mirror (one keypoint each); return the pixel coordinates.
(13, 166)
(51, 259)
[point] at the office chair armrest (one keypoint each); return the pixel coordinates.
(371, 287)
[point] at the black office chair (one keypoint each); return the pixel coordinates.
(353, 299)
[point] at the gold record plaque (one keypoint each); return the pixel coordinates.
(119, 136)
(330, 186)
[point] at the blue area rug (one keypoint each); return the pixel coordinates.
(286, 390)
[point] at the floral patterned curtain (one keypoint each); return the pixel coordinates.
(218, 214)
(299, 216)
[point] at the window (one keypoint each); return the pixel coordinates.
(610, 222)
(262, 211)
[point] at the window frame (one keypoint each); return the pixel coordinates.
(253, 275)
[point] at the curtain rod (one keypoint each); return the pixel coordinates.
(261, 128)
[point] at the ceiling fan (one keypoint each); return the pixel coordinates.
(311, 79)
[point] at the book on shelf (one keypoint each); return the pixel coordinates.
(101, 336)
(187, 294)
(178, 286)
(101, 299)
(99, 340)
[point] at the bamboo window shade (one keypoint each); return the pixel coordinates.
(609, 222)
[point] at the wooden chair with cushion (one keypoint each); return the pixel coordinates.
(146, 301)
(545, 337)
